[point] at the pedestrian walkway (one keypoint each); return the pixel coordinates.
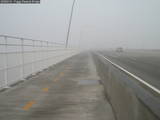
(67, 91)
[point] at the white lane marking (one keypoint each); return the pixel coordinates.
(132, 75)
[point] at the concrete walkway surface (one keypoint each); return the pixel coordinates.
(67, 91)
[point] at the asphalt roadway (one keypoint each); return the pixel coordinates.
(67, 91)
(142, 63)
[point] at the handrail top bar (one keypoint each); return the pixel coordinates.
(30, 39)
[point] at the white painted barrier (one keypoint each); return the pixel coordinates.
(130, 98)
(21, 57)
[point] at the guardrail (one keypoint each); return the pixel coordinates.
(130, 98)
(21, 57)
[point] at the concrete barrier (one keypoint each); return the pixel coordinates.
(129, 99)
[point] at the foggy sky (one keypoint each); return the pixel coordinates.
(96, 23)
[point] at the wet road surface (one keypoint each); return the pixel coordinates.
(67, 91)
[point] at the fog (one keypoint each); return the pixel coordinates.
(95, 24)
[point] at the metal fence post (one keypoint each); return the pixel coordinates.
(47, 51)
(33, 57)
(6, 63)
(22, 52)
(41, 59)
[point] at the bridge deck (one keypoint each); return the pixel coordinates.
(67, 91)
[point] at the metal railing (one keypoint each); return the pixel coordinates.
(20, 57)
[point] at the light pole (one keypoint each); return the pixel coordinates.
(70, 22)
